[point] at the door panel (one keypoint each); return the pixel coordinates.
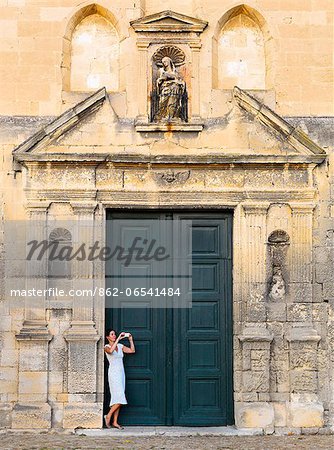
(202, 361)
(144, 377)
(182, 371)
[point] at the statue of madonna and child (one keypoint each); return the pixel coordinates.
(170, 96)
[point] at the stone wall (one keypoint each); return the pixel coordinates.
(35, 40)
(283, 304)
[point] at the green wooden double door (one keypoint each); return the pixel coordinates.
(181, 373)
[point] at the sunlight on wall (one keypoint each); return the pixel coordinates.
(241, 55)
(94, 55)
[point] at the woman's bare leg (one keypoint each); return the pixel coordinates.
(111, 412)
(116, 413)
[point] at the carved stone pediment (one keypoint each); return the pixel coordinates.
(168, 21)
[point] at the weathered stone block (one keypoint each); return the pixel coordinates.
(6, 415)
(299, 312)
(81, 382)
(33, 383)
(306, 359)
(33, 356)
(255, 381)
(83, 415)
(280, 414)
(303, 380)
(259, 360)
(56, 382)
(301, 292)
(249, 415)
(31, 416)
(276, 312)
(306, 414)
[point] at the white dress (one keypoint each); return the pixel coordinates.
(116, 376)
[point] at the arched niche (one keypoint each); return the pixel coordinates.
(91, 51)
(243, 51)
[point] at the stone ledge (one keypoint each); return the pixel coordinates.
(173, 431)
(302, 333)
(33, 330)
(256, 334)
(152, 127)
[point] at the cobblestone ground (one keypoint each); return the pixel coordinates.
(29, 441)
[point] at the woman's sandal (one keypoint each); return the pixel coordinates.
(105, 421)
(119, 427)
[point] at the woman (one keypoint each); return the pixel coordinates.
(116, 375)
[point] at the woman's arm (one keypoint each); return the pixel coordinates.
(132, 346)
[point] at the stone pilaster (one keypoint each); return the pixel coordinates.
(305, 409)
(195, 81)
(253, 408)
(254, 266)
(301, 253)
(142, 82)
(83, 408)
(32, 409)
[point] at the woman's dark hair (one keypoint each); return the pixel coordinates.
(110, 330)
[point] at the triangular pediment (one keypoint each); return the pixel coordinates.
(168, 21)
(291, 136)
(92, 131)
(62, 124)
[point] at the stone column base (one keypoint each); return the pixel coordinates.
(298, 413)
(254, 415)
(31, 416)
(83, 415)
(305, 414)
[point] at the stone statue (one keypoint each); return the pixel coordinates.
(170, 89)
(277, 289)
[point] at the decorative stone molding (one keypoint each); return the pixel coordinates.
(171, 176)
(84, 208)
(83, 330)
(168, 21)
(256, 333)
(253, 208)
(34, 330)
(170, 51)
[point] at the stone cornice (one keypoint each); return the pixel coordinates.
(34, 330)
(294, 136)
(256, 333)
(94, 158)
(302, 332)
(83, 207)
(218, 197)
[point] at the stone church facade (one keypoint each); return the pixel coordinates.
(193, 106)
